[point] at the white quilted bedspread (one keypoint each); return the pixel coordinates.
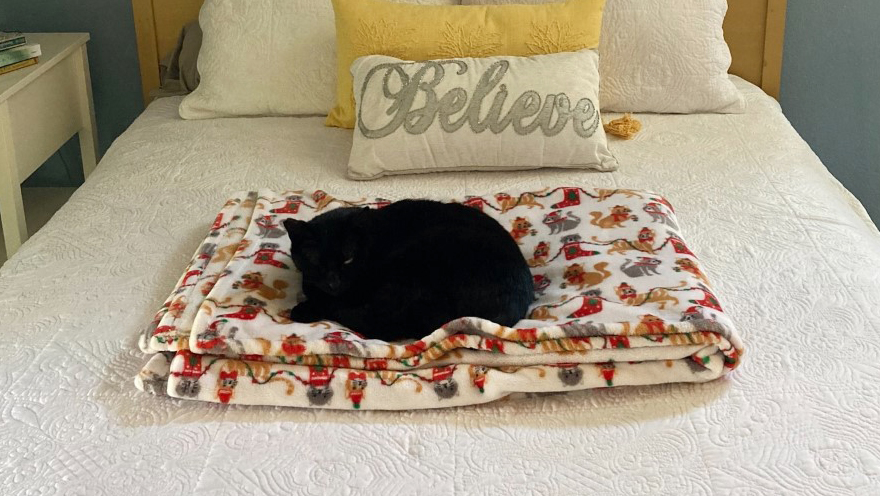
(789, 250)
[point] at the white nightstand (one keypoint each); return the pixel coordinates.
(41, 107)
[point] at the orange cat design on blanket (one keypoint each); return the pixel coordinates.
(227, 331)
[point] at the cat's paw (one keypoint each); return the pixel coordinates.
(305, 312)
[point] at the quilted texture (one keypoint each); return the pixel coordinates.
(791, 253)
(491, 113)
(267, 57)
(662, 56)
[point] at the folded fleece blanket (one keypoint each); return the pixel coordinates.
(620, 300)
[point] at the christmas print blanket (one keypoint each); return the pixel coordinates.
(620, 300)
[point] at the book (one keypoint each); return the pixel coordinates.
(17, 54)
(11, 40)
(18, 65)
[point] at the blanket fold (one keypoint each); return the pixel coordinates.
(620, 300)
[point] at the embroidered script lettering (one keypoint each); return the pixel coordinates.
(551, 113)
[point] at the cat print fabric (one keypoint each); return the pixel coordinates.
(620, 300)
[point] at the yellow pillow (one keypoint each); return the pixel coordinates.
(426, 32)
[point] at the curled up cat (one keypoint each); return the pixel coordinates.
(402, 271)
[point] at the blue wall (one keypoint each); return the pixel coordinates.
(116, 85)
(831, 88)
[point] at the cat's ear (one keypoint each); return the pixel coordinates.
(362, 222)
(297, 229)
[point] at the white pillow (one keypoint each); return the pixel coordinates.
(493, 113)
(267, 57)
(662, 56)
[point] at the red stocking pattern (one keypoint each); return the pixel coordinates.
(621, 299)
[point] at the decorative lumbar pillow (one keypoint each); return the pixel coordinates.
(267, 57)
(412, 32)
(493, 113)
(661, 56)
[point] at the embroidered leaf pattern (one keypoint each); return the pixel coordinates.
(555, 37)
(382, 37)
(459, 41)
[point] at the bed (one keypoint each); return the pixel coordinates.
(792, 252)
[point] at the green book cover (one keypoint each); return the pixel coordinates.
(11, 40)
(10, 35)
(14, 55)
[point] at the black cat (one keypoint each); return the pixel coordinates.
(402, 271)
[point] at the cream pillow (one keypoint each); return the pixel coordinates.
(493, 113)
(662, 56)
(267, 57)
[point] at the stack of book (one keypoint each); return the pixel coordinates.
(16, 53)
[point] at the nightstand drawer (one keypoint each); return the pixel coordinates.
(44, 113)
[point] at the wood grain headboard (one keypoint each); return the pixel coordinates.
(754, 29)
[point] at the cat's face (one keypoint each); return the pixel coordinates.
(326, 249)
(319, 395)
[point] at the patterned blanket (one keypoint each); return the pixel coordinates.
(620, 300)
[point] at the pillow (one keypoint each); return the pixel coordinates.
(266, 57)
(178, 74)
(493, 113)
(377, 27)
(662, 56)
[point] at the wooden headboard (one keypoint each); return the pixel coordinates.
(754, 29)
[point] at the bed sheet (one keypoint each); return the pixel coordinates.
(790, 251)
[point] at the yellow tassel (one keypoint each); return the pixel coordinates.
(625, 127)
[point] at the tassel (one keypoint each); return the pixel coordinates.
(625, 127)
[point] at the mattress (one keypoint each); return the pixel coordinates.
(790, 251)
